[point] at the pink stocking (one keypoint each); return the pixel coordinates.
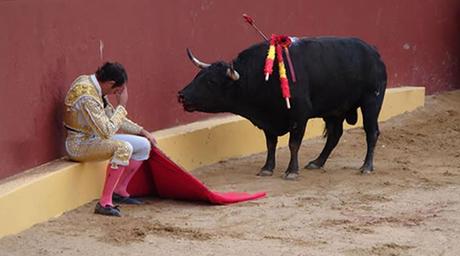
(111, 179)
(126, 177)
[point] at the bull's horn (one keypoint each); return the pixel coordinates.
(196, 61)
(232, 73)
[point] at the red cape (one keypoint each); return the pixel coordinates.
(159, 176)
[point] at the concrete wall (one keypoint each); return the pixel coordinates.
(45, 44)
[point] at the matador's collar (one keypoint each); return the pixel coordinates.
(96, 84)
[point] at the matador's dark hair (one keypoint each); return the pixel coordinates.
(112, 71)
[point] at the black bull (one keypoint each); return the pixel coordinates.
(335, 76)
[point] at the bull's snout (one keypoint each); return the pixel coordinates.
(185, 103)
(180, 97)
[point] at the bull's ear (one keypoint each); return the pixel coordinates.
(232, 73)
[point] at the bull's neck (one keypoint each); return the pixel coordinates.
(240, 102)
(248, 107)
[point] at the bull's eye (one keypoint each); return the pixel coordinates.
(212, 82)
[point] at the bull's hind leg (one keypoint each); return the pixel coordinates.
(271, 141)
(334, 130)
(370, 110)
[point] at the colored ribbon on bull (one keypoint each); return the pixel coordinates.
(278, 43)
(275, 42)
(284, 83)
(268, 69)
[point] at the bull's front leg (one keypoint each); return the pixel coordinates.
(271, 141)
(295, 139)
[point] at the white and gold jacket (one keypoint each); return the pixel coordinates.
(90, 124)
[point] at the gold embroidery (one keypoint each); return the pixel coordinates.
(127, 125)
(82, 148)
(81, 87)
(99, 122)
(131, 127)
(90, 128)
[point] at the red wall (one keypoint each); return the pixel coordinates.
(45, 44)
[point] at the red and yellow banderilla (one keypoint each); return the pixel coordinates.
(276, 44)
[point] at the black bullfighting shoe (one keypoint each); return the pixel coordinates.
(107, 210)
(119, 199)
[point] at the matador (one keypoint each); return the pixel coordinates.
(92, 125)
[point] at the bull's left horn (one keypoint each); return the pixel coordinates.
(232, 73)
(196, 61)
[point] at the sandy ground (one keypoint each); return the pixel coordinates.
(409, 206)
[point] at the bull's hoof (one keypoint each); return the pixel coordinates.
(264, 173)
(290, 176)
(366, 170)
(312, 166)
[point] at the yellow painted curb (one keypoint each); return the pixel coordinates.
(49, 190)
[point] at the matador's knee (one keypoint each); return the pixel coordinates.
(122, 153)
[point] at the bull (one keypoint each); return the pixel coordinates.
(335, 76)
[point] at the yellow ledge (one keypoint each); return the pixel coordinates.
(51, 189)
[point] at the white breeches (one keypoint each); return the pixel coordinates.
(140, 145)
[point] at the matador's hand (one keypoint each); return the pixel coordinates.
(122, 96)
(150, 137)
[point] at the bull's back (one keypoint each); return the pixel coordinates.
(338, 72)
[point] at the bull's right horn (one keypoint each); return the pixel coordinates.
(196, 61)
